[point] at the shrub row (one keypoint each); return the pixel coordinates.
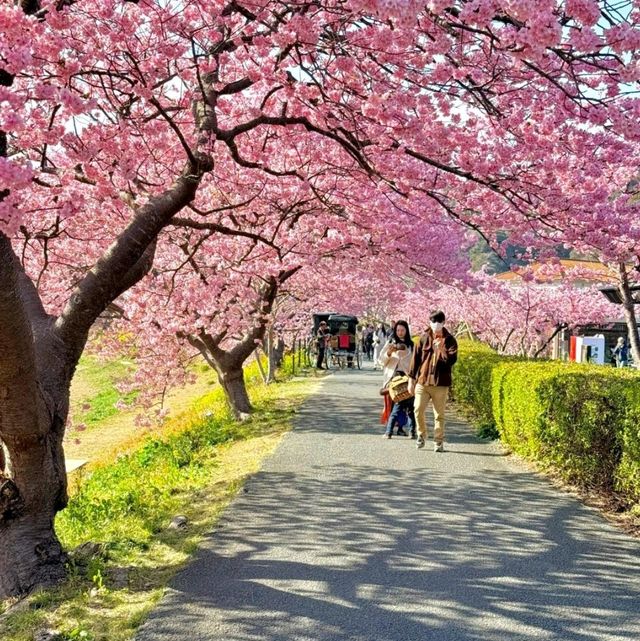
(581, 420)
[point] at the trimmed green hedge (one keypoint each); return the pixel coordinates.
(472, 381)
(581, 420)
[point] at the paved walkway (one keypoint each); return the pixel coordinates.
(345, 535)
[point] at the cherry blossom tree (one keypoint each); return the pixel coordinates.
(116, 117)
(217, 291)
(515, 317)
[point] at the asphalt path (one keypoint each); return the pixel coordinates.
(346, 535)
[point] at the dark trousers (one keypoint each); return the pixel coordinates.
(320, 360)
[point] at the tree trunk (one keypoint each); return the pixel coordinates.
(32, 477)
(33, 484)
(228, 362)
(33, 480)
(263, 374)
(503, 347)
(232, 380)
(39, 354)
(629, 314)
(271, 366)
(278, 351)
(228, 367)
(30, 554)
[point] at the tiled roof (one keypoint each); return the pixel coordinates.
(586, 270)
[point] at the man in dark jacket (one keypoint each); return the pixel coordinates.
(430, 377)
(322, 336)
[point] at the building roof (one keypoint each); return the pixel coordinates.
(556, 271)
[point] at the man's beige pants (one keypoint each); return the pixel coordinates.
(438, 397)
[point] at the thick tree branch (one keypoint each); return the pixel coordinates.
(200, 345)
(243, 349)
(221, 229)
(126, 260)
(18, 363)
(354, 150)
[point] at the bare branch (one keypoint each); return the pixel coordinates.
(221, 229)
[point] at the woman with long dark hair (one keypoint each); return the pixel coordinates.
(395, 358)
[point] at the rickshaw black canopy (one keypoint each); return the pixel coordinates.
(342, 345)
(335, 321)
(321, 316)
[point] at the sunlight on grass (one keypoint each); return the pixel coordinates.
(107, 432)
(125, 507)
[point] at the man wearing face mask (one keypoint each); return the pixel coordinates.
(430, 377)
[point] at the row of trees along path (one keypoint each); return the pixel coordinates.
(180, 165)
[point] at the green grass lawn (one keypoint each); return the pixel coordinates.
(106, 432)
(193, 469)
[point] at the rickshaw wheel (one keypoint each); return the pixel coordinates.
(308, 355)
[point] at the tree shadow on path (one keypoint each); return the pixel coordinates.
(345, 536)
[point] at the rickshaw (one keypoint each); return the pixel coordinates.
(344, 349)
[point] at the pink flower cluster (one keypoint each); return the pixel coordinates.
(353, 144)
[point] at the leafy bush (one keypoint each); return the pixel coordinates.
(472, 385)
(628, 473)
(566, 416)
(580, 420)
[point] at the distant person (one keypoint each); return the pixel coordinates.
(430, 377)
(389, 332)
(379, 338)
(343, 330)
(621, 353)
(322, 338)
(368, 342)
(395, 357)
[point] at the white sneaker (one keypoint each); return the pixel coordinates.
(420, 442)
(438, 447)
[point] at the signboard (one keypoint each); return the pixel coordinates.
(587, 349)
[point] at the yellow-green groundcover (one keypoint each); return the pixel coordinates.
(116, 525)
